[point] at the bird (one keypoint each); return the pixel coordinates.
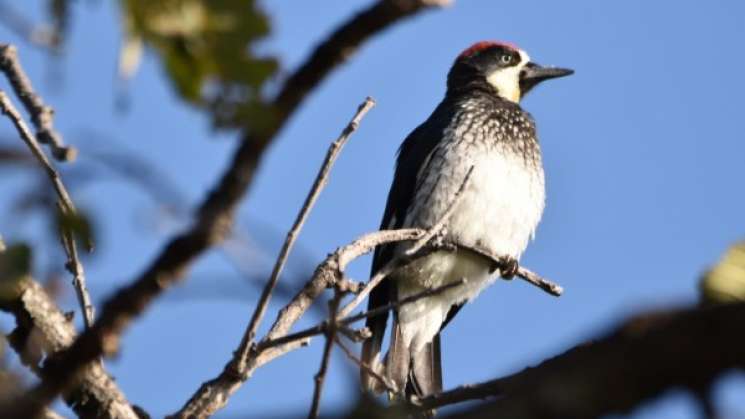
(479, 133)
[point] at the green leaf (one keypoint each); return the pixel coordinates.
(207, 50)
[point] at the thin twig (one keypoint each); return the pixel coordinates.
(42, 115)
(533, 278)
(463, 393)
(410, 299)
(75, 267)
(523, 273)
(321, 327)
(320, 377)
(7, 108)
(389, 385)
(318, 185)
(67, 208)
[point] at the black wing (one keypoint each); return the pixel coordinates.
(413, 154)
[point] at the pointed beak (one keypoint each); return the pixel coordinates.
(532, 74)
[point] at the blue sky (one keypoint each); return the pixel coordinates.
(643, 148)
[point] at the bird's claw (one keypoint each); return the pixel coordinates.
(508, 267)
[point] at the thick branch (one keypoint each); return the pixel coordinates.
(40, 322)
(639, 360)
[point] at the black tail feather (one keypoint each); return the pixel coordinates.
(426, 370)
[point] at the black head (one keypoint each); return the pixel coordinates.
(501, 67)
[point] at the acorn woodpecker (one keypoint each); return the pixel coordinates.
(479, 127)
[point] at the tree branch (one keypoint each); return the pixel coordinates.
(318, 185)
(40, 322)
(639, 360)
(214, 394)
(237, 366)
(66, 207)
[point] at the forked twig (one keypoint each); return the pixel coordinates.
(318, 185)
(246, 357)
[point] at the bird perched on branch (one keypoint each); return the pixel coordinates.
(478, 128)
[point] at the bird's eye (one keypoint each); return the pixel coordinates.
(506, 59)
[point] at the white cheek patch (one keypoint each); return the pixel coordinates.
(507, 80)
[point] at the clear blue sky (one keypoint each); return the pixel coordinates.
(643, 147)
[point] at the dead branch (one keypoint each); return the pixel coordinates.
(213, 394)
(216, 213)
(65, 203)
(639, 360)
(37, 317)
(318, 185)
(238, 364)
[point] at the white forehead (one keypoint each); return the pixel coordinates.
(524, 57)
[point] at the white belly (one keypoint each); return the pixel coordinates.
(499, 211)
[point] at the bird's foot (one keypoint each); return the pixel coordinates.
(508, 267)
